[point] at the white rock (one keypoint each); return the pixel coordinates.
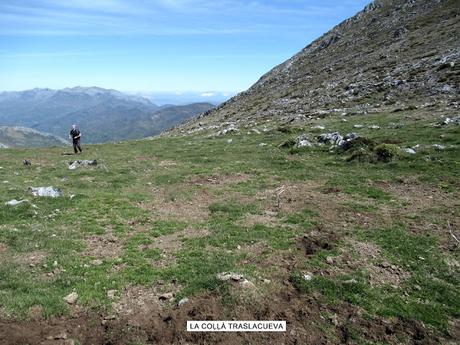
(410, 151)
(71, 298)
(46, 191)
(14, 202)
(307, 277)
(111, 294)
(247, 284)
(358, 126)
(182, 301)
(225, 276)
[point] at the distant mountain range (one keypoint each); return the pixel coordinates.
(101, 114)
(23, 136)
(187, 97)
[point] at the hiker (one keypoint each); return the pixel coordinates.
(75, 135)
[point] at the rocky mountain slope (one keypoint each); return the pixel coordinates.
(102, 114)
(393, 55)
(27, 137)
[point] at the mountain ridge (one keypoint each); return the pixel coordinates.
(102, 114)
(391, 55)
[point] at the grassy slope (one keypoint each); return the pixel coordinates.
(143, 192)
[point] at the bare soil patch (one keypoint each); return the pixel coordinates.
(103, 246)
(31, 259)
(219, 180)
(259, 219)
(140, 317)
(169, 205)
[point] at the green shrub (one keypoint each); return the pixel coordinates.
(387, 152)
(288, 143)
(359, 143)
(361, 155)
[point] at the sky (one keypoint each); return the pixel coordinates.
(162, 45)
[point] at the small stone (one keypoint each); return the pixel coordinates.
(97, 262)
(225, 276)
(55, 263)
(438, 147)
(111, 294)
(182, 301)
(307, 277)
(330, 260)
(247, 284)
(71, 298)
(334, 319)
(166, 296)
(267, 281)
(350, 281)
(410, 151)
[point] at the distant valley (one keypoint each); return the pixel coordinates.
(102, 115)
(27, 137)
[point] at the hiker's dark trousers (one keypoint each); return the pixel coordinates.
(76, 145)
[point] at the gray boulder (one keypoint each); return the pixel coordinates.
(82, 163)
(51, 192)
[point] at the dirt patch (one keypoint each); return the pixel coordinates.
(144, 158)
(381, 272)
(84, 328)
(296, 197)
(140, 317)
(219, 180)
(315, 241)
(172, 243)
(140, 301)
(3, 249)
(422, 208)
(103, 246)
(259, 219)
(169, 204)
(31, 259)
(166, 163)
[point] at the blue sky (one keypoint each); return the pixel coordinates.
(163, 45)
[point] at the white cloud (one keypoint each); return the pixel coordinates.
(207, 94)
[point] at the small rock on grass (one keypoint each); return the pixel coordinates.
(71, 298)
(307, 277)
(247, 284)
(225, 276)
(111, 294)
